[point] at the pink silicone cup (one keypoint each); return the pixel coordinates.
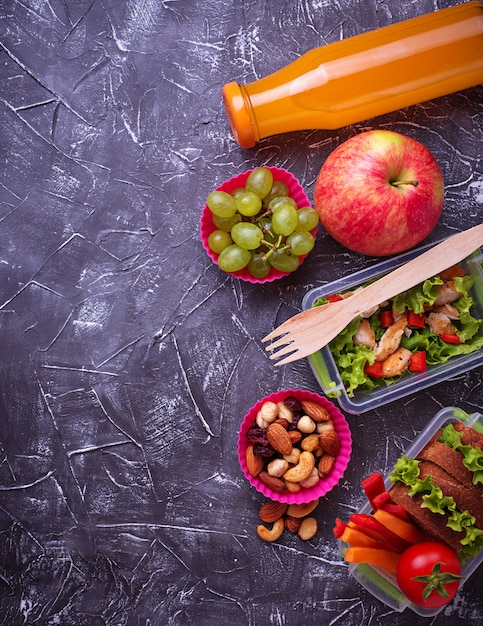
(207, 226)
(325, 484)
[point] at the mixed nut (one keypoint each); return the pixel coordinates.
(291, 445)
(295, 518)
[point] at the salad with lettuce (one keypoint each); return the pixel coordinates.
(419, 328)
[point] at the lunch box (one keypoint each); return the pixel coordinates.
(325, 368)
(380, 583)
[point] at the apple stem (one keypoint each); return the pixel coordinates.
(396, 183)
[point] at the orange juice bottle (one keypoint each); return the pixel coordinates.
(364, 76)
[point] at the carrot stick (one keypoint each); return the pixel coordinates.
(373, 556)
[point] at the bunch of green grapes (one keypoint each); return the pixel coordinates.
(259, 226)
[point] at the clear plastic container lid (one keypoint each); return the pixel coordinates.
(383, 585)
(325, 368)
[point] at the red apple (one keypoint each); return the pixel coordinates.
(379, 193)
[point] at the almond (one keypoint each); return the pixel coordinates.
(292, 524)
(302, 510)
(272, 482)
(330, 442)
(325, 465)
(315, 411)
(271, 511)
(282, 421)
(279, 438)
(295, 436)
(254, 463)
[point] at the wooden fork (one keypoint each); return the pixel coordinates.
(311, 330)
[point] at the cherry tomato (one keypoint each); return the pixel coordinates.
(429, 573)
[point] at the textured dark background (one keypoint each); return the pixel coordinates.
(128, 359)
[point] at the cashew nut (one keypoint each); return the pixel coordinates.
(261, 423)
(321, 426)
(285, 412)
(275, 532)
(303, 468)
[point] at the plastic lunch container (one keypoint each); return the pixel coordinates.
(325, 369)
(380, 583)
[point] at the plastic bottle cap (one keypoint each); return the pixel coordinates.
(238, 115)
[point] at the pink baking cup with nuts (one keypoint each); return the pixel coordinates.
(326, 483)
(295, 191)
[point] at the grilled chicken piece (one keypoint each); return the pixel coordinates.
(390, 340)
(364, 336)
(440, 324)
(446, 293)
(396, 363)
(449, 310)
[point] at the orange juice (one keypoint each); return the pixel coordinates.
(364, 76)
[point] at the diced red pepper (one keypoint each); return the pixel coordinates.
(374, 370)
(373, 486)
(417, 361)
(416, 320)
(334, 297)
(450, 338)
(339, 528)
(387, 318)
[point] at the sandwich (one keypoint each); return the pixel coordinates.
(441, 489)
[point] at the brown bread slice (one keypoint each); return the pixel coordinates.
(448, 459)
(467, 499)
(471, 437)
(433, 524)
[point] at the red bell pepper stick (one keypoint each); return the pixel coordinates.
(416, 320)
(339, 528)
(374, 370)
(380, 500)
(417, 361)
(450, 338)
(373, 486)
(396, 509)
(387, 318)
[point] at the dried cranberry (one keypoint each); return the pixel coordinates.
(265, 450)
(257, 435)
(293, 403)
(296, 416)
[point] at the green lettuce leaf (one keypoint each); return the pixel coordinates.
(472, 458)
(416, 298)
(406, 471)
